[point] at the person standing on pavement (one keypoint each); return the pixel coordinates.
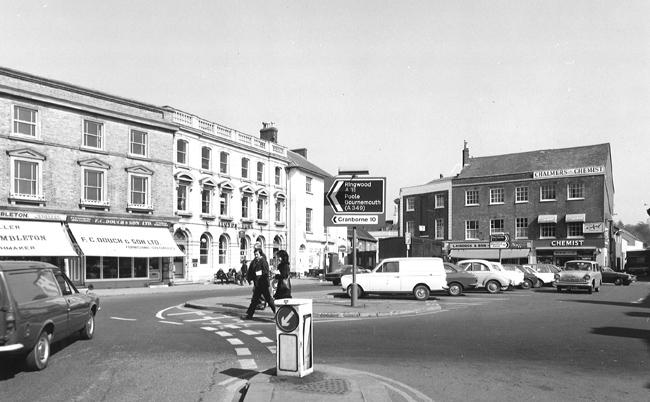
(283, 290)
(262, 284)
(243, 271)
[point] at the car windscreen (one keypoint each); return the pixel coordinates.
(577, 266)
(509, 267)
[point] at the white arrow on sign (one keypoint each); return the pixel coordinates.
(332, 195)
(285, 320)
(355, 219)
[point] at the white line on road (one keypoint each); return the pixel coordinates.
(232, 326)
(171, 322)
(123, 319)
(639, 301)
(272, 349)
(159, 315)
(201, 319)
(235, 341)
(247, 364)
(223, 333)
(209, 328)
(250, 332)
(186, 312)
(263, 339)
(242, 351)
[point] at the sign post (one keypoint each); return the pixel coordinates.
(500, 241)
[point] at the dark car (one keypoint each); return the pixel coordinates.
(335, 276)
(458, 280)
(617, 278)
(39, 305)
(530, 279)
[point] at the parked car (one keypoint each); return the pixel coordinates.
(417, 275)
(489, 277)
(39, 305)
(458, 280)
(617, 278)
(545, 272)
(530, 279)
(335, 276)
(579, 274)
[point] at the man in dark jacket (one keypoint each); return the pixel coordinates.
(261, 274)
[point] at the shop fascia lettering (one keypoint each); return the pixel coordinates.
(33, 216)
(579, 171)
(567, 243)
(117, 240)
(117, 221)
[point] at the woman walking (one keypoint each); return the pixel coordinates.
(262, 284)
(283, 290)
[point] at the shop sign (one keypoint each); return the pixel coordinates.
(32, 216)
(593, 227)
(568, 243)
(579, 171)
(483, 244)
(117, 221)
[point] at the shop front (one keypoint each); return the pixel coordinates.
(124, 252)
(559, 251)
(516, 253)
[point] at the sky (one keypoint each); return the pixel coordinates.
(392, 87)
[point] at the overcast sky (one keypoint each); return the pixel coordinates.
(393, 87)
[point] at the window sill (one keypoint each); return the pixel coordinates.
(26, 199)
(472, 205)
(26, 137)
(547, 238)
(246, 220)
(207, 171)
(279, 223)
(185, 214)
(139, 157)
(94, 150)
(91, 204)
(521, 202)
(496, 203)
(262, 222)
(208, 217)
(553, 200)
(576, 199)
(139, 208)
(225, 218)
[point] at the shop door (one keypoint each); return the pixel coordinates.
(179, 264)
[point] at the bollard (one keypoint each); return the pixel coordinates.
(294, 337)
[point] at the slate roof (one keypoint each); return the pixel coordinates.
(298, 161)
(524, 162)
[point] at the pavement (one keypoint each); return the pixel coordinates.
(326, 383)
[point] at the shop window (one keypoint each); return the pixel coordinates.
(140, 266)
(125, 269)
(93, 267)
(471, 198)
(471, 230)
(547, 230)
(110, 267)
(547, 192)
(496, 195)
(521, 194)
(575, 191)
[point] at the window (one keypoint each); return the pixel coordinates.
(206, 158)
(26, 178)
(244, 206)
(308, 212)
(260, 208)
(521, 228)
(204, 247)
(278, 210)
(471, 197)
(547, 192)
(223, 162)
(139, 190)
(244, 168)
(206, 200)
(278, 176)
(138, 143)
(496, 226)
(410, 227)
(439, 201)
(440, 229)
(223, 203)
(308, 184)
(547, 230)
(94, 185)
(496, 195)
(260, 171)
(25, 121)
(93, 134)
(181, 152)
(574, 229)
(182, 193)
(521, 194)
(576, 191)
(410, 204)
(223, 249)
(471, 230)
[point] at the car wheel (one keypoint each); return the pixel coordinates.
(492, 286)
(590, 289)
(421, 292)
(359, 291)
(38, 357)
(455, 289)
(538, 283)
(527, 284)
(618, 282)
(558, 289)
(88, 330)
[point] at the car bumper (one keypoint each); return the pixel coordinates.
(11, 348)
(569, 284)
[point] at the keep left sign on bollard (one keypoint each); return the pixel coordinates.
(294, 333)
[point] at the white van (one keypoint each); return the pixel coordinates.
(417, 275)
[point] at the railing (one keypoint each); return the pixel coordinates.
(217, 130)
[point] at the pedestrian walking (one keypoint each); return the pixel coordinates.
(283, 290)
(262, 284)
(242, 272)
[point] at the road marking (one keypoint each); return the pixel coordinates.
(171, 322)
(242, 351)
(639, 301)
(232, 326)
(201, 319)
(235, 341)
(186, 312)
(215, 322)
(250, 332)
(223, 333)
(247, 364)
(272, 349)
(209, 328)
(263, 339)
(123, 319)
(159, 315)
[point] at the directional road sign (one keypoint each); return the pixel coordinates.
(357, 196)
(287, 318)
(355, 219)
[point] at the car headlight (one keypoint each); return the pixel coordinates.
(586, 277)
(557, 277)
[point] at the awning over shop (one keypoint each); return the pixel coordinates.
(124, 241)
(575, 218)
(547, 219)
(490, 253)
(34, 238)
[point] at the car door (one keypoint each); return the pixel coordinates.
(78, 304)
(481, 271)
(383, 277)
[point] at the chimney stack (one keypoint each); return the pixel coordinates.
(269, 132)
(301, 151)
(465, 154)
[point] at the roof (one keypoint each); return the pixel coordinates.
(362, 234)
(524, 162)
(298, 161)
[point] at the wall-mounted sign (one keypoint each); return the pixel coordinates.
(593, 227)
(481, 244)
(32, 216)
(579, 171)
